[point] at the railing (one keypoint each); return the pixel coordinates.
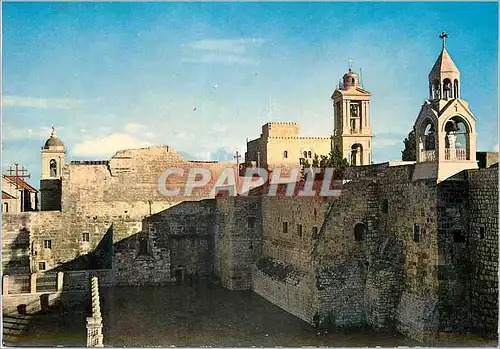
(455, 154)
(94, 323)
(427, 155)
(32, 283)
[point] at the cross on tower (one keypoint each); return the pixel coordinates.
(443, 36)
(237, 156)
(351, 62)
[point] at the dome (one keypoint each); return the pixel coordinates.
(351, 79)
(53, 141)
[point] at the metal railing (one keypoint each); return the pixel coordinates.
(94, 323)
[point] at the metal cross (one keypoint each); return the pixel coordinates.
(237, 156)
(351, 62)
(443, 36)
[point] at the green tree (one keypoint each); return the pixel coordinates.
(333, 160)
(409, 152)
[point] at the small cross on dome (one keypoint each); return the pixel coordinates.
(443, 36)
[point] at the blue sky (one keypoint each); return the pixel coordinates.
(203, 77)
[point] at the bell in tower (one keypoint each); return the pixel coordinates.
(445, 128)
(352, 132)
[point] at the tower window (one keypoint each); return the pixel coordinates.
(47, 243)
(285, 227)
(305, 154)
(309, 154)
(285, 154)
(352, 80)
(5, 207)
(53, 168)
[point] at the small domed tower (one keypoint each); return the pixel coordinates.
(352, 133)
(53, 159)
(445, 128)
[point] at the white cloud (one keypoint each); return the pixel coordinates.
(40, 103)
(15, 134)
(386, 142)
(227, 51)
(218, 58)
(108, 145)
(132, 127)
(236, 46)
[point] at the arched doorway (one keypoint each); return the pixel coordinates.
(356, 154)
(359, 231)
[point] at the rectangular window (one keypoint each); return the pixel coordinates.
(285, 154)
(458, 236)
(47, 243)
(481, 233)
(285, 227)
(85, 237)
(299, 230)
(416, 233)
(41, 265)
(251, 222)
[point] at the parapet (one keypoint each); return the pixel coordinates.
(280, 129)
(91, 162)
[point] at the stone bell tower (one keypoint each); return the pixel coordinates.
(445, 129)
(53, 159)
(352, 133)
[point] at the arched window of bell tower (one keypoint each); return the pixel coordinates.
(457, 139)
(436, 90)
(53, 168)
(455, 89)
(447, 93)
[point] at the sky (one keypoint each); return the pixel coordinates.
(204, 77)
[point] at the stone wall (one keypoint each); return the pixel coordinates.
(238, 240)
(128, 185)
(289, 290)
(62, 241)
(483, 245)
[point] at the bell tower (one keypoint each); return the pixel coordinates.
(352, 133)
(53, 160)
(445, 128)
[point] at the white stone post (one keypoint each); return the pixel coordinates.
(33, 283)
(5, 285)
(60, 279)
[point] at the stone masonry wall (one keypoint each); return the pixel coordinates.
(483, 244)
(60, 239)
(128, 184)
(238, 240)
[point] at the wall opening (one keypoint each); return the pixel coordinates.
(85, 237)
(458, 236)
(385, 206)
(416, 232)
(53, 168)
(481, 232)
(359, 231)
(285, 227)
(251, 222)
(315, 232)
(41, 266)
(299, 230)
(47, 243)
